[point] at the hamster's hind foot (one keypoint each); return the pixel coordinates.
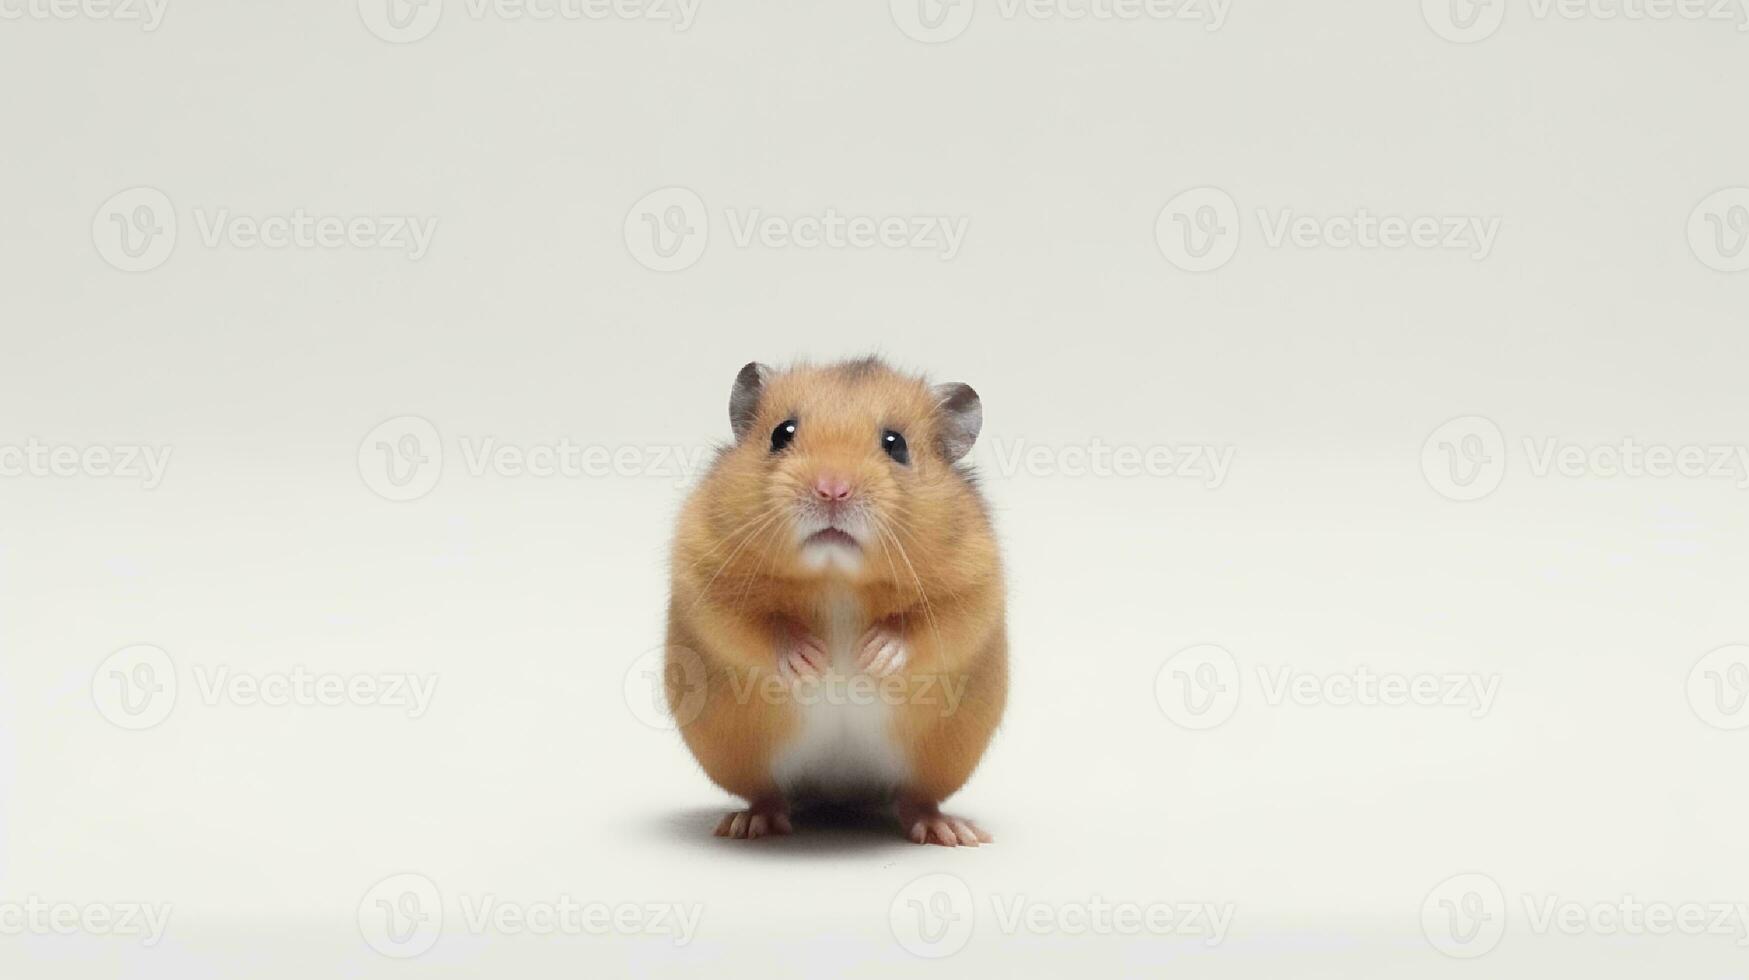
(924, 823)
(756, 821)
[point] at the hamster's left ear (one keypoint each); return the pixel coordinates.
(744, 397)
(961, 416)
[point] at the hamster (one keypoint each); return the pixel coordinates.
(836, 620)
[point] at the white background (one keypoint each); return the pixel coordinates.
(533, 318)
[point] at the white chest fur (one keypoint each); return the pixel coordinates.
(843, 747)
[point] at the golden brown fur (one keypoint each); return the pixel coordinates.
(929, 570)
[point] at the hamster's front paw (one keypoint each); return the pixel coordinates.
(882, 650)
(800, 654)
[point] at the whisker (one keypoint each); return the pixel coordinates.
(775, 528)
(731, 535)
(705, 590)
(923, 595)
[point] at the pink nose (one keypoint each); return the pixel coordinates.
(831, 488)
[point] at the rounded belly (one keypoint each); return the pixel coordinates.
(843, 749)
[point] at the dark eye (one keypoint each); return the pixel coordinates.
(894, 444)
(781, 436)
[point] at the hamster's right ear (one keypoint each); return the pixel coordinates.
(744, 398)
(962, 417)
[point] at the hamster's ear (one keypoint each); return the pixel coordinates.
(961, 415)
(744, 398)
